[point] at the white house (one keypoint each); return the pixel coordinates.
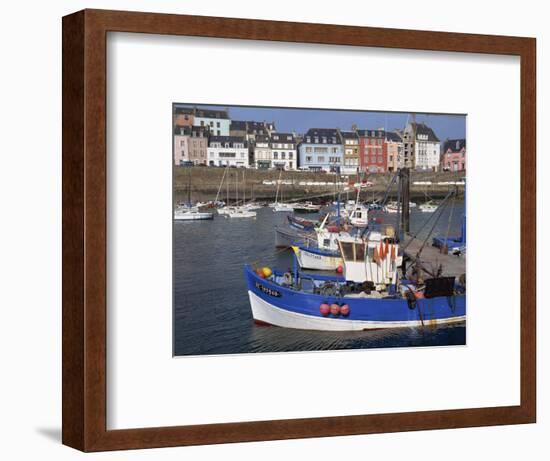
(283, 151)
(427, 147)
(262, 152)
(216, 120)
(228, 151)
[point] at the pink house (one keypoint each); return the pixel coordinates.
(454, 155)
(181, 144)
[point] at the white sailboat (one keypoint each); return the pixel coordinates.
(239, 211)
(191, 214)
(281, 206)
(188, 212)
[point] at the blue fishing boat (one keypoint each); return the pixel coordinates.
(370, 294)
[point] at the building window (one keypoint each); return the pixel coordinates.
(290, 155)
(217, 124)
(275, 155)
(321, 158)
(283, 155)
(308, 158)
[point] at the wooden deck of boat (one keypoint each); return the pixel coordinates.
(432, 257)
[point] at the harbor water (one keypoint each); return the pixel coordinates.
(211, 307)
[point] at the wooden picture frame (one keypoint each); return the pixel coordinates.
(85, 222)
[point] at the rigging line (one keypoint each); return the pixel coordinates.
(449, 221)
(432, 216)
(416, 258)
(433, 227)
(386, 194)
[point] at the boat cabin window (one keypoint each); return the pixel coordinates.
(347, 250)
(359, 251)
(353, 251)
(326, 242)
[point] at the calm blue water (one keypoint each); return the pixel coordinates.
(211, 308)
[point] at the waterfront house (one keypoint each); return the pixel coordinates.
(198, 144)
(283, 151)
(321, 149)
(393, 148)
(262, 152)
(372, 157)
(181, 144)
(228, 151)
(351, 152)
(422, 147)
(217, 120)
(454, 155)
(190, 144)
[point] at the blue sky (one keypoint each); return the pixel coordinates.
(300, 120)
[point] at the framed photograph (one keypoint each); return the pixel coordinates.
(280, 230)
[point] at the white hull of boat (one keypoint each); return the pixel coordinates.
(264, 312)
(309, 260)
(282, 208)
(192, 216)
(241, 214)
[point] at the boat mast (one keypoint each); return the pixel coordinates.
(227, 189)
(404, 182)
(189, 186)
(220, 186)
(244, 189)
(278, 184)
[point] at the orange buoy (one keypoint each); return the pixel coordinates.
(324, 308)
(335, 309)
(418, 295)
(267, 271)
(340, 269)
